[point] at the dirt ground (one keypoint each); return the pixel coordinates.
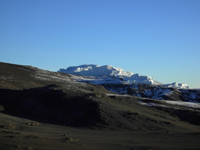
(23, 134)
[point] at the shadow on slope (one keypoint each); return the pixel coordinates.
(51, 106)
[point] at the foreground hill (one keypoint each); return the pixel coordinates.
(56, 98)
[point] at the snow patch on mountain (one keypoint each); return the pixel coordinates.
(186, 104)
(177, 85)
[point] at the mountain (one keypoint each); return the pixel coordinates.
(125, 82)
(108, 73)
(65, 100)
(40, 109)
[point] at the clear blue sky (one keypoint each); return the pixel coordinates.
(159, 38)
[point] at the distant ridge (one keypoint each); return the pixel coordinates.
(126, 77)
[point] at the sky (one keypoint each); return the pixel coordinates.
(158, 38)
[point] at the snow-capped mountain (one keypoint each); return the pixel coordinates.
(95, 70)
(177, 85)
(108, 74)
(125, 82)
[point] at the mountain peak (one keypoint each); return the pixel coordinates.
(96, 70)
(110, 71)
(109, 74)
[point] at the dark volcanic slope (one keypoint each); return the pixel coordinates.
(24, 77)
(55, 98)
(18, 77)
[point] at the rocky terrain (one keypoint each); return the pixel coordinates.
(156, 92)
(40, 109)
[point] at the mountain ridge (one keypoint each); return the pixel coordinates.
(126, 77)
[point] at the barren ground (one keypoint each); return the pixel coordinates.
(23, 134)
